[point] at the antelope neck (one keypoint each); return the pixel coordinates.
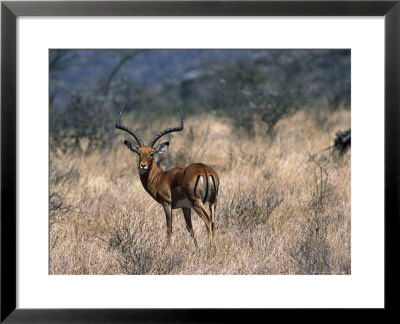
(151, 178)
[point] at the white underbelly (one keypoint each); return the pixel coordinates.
(183, 203)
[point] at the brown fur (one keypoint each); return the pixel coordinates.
(191, 187)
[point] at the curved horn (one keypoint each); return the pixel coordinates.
(127, 129)
(167, 131)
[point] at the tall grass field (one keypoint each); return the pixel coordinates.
(284, 204)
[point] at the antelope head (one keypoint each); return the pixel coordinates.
(147, 152)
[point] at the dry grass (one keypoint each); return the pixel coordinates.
(284, 207)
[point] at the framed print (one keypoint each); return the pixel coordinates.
(250, 107)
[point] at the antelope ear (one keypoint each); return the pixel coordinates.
(161, 148)
(132, 147)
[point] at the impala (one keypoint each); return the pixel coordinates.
(195, 186)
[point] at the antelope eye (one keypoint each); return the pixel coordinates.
(152, 153)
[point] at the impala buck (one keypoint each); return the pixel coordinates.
(195, 186)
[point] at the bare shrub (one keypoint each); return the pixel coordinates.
(313, 251)
(57, 207)
(245, 210)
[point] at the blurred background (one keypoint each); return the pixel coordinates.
(89, 87)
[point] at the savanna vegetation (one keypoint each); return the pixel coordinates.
(264, 120)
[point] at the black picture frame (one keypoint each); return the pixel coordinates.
(11, 10)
